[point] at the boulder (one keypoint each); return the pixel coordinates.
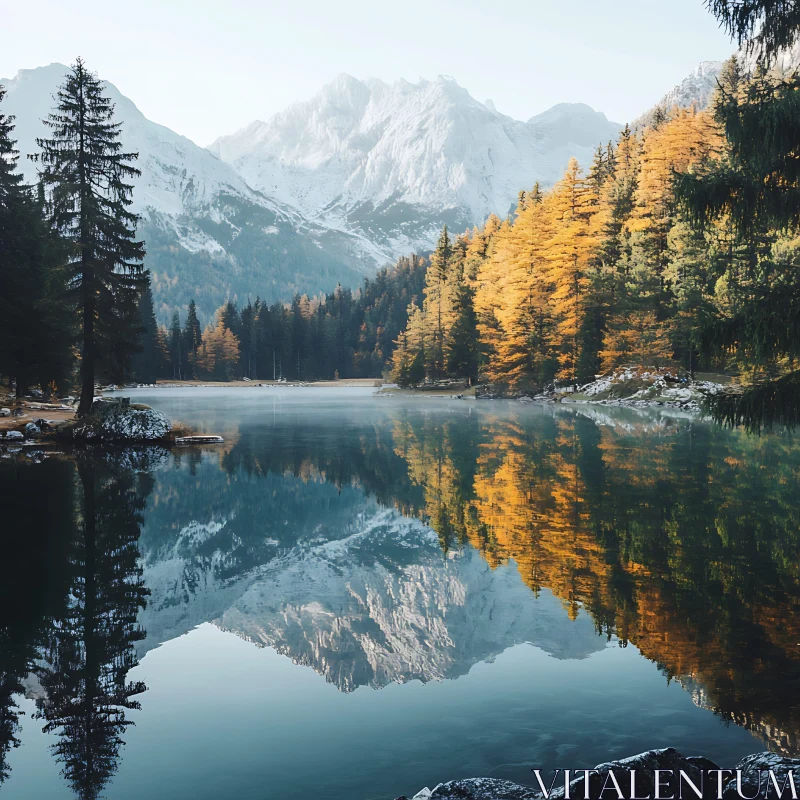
(755, 776)
(111, 422)
(32, 429)
(5, 412)
(14, 435)
(645, 765)
(479, 789)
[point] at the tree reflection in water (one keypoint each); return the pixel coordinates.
(675, 535)
(33, 579)
(78, 640)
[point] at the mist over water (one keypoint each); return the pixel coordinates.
(355, 597)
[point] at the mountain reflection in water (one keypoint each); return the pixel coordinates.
(394, 543)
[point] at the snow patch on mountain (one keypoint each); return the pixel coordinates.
(392, 162)
(194, 240)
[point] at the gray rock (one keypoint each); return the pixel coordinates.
(14, 435)
(645, 765)
(481, 789)
(701, 762)
(5, 412)
(752, 780)
(32, 429)
(119, 423)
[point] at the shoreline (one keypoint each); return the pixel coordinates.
(364, 383)
(638, 389)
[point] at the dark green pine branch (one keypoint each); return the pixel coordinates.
(762, 406)
(767, 25)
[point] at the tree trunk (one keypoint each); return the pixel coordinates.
(21, 382)
(87, 278)
(88, 354)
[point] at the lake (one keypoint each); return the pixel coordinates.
(355, 597)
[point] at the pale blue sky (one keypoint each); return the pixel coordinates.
(205, 68)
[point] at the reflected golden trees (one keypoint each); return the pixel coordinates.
(680, 538)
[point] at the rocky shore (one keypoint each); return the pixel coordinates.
(612, 780)
(633, 387)
(646, 386)
(111, 422)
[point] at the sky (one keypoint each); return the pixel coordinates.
(207, 68)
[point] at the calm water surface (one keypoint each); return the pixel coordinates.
(354, 597)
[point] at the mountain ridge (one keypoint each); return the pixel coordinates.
(327, 190)
(206, 230)
(393, 162)
(698, 87)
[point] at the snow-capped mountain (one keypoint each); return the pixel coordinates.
(394, 162)
(324, 192)
(209, 235)
(698, 87)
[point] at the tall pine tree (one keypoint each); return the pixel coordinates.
(438, 310)
(192, 339)
(177, 351)
(751, 187)
(148, 363)
(86, 173)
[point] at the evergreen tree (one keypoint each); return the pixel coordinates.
(148, 363)
(192, 340)
(85, 172)
(462, 345)
(753, 189)
(35, 319)
(10, 179)
(438, 303)
(248, 357)
(177, 350)
(768, 26)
